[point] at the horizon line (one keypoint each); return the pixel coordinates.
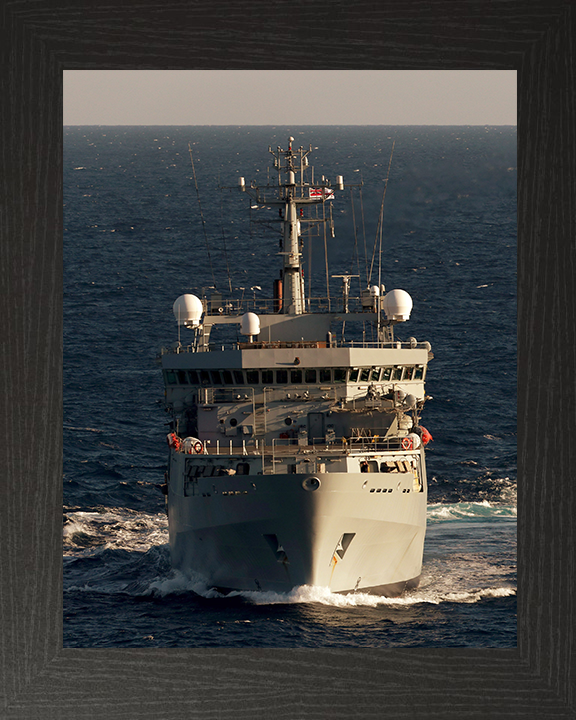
(290, 125)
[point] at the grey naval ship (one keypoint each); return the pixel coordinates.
(296, 456)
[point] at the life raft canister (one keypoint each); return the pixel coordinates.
(192, 445)
(426, 437)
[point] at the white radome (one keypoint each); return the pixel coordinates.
(397, 305)
(188, 310)
(250, 324)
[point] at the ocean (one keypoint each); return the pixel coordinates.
(142, 225)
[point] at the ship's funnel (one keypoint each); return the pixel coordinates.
(188, 310)
(397, 305)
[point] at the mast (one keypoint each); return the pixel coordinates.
(291, 164)
(295, 192)
(293, 287)
(292, 193)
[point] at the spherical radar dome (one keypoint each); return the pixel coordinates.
(397, 305)
(250, 324)
(188, 310)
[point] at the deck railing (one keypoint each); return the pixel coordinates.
(277, 344)
(291, 455)
(238, 306)
(300, 446)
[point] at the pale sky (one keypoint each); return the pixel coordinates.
(287, 97)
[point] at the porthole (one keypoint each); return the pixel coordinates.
(288, 421)
(233, 422)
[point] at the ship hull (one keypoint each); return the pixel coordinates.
(344, 531)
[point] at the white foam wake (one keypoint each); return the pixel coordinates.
(177, 583)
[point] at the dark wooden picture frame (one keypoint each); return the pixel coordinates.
(40, 679)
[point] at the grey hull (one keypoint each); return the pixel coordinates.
(344, 531)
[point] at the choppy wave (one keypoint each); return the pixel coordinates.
(82, 429)
(485, 510)
(113, 528)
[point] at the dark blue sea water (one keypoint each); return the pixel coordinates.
(135, 239)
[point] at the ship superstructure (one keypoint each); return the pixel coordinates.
(296, 457)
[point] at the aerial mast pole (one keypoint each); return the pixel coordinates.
(293, 290)
(293, 193)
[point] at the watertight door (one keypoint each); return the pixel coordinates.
(315, 427)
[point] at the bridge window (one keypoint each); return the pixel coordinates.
(295, 377)
(310, 375)
(325, 375)
(407, 373)
(239, 377)
(216, 377)
(193, 377)
(182, 379)
(353, 375)
(418, 372)
(339, 375)
(267, 377)
(386, 374)
(375, 375)
(364, 374)
(281, 377)
(205, 377)
(396, 373)
(252, 377)
(170, 376)
(227, 377)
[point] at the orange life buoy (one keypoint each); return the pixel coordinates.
(198, 447)
(407, 443)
